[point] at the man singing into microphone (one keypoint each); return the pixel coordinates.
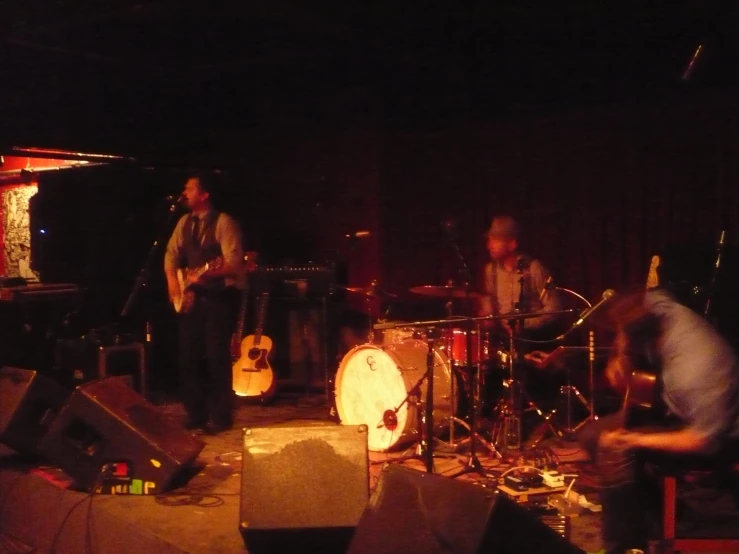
(204, 236)
(514, 281)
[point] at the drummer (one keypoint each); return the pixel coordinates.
(501, 285)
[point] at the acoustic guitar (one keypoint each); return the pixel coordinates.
(250, 266)
(640, 396)
(252, 373)
(188, 289)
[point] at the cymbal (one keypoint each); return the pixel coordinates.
(372, 292)
(445, 291)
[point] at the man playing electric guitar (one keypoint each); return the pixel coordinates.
(698, 382)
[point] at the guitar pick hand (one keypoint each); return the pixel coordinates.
(620, 439)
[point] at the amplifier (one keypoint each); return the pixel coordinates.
(78, 361)
(297, 281)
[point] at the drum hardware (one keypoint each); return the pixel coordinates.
(507, 432)
(373, 381)
(473, 465)
(372, 292)
(458, 321)
(445, 291)
(592, 416)
(473, 365)
(543, 360)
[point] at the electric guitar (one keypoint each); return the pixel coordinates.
(187, 279)
(252, 374)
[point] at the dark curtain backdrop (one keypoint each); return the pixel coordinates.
(597, 193)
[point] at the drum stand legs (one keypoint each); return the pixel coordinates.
(507, 429)
(569, 390)
(473, 465)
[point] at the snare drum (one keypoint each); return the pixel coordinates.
(458, 348)
(401, 334)
(373, 380)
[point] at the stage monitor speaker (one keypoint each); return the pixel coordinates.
(303, 488)
(414, 512)
(109, 439)
(29, 402)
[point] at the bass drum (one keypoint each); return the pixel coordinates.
(373, 380)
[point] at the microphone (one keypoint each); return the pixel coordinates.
(607, 295)
(359, 235)
(174, 197)
(521, 264)
(547, 285)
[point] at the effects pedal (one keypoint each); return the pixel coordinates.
(553, 479)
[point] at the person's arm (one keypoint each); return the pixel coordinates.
(707, 396)
(172, 259)
(228, 235)
(485, 307)
(550, 301)
(685, 441)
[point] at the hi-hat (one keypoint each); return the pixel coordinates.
(445, 291)
(371, 291)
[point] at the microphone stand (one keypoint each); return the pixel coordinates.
(569, 389)
(143, 275)
(140, 283)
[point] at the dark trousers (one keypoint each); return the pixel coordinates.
(205, 357)
(630, 495)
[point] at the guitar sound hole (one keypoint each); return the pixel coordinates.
(254, 353)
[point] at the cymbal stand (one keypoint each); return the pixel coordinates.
(473, 465)
(508, 428)
(368, 299)
(473, 385)
(449, 331)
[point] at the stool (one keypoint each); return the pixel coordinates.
(669, 542)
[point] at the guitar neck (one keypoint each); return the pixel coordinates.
(250, 260)
(242, 313)
(263, 300)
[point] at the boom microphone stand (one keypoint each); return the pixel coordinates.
(426, 423)
(143, 275)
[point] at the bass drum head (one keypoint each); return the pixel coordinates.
(372, 380)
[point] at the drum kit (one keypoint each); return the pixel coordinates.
(404, 387)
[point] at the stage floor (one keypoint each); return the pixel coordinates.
(39, 512)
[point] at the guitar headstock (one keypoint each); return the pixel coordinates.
(652, 276)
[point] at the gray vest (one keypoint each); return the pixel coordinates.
(204, 248)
